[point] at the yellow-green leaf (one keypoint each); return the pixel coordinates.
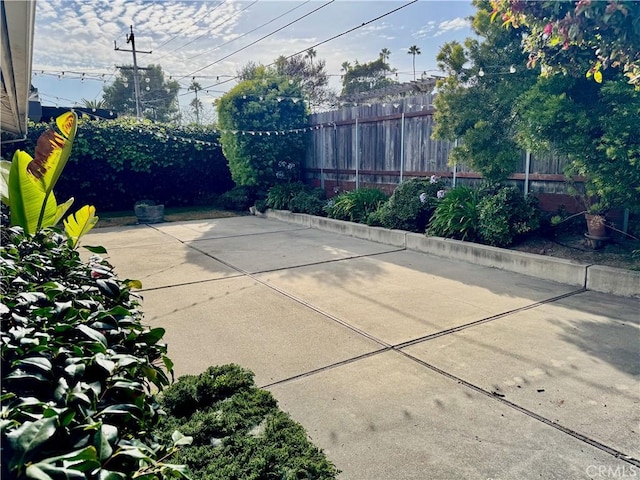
(5, 168)
(26, 198)
(52, 152)
(62, 209)
(78, 224)
(134, 284)
(597, 76)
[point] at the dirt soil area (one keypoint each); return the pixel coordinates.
(574, 246)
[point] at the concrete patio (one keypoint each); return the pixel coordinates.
(400, 364)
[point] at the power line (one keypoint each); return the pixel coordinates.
(265, 36)
(324, 41)
(208, 31)
(194, 22)
(250, 31)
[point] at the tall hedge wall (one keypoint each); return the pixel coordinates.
(113, 164)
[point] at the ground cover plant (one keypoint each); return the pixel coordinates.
(237, 429)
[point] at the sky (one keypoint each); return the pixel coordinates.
(210, 40)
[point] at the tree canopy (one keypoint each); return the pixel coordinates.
(158, 97)
(497, 108)
(363, 77)
(265, 102)
(605, 33)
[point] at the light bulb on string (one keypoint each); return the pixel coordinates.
(481, 73)
(512, 69)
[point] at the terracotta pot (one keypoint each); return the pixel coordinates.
(596, 225)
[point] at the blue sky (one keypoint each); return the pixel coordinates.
(76, 37)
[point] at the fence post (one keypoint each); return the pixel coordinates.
(402, 147)
(527, 167)
(357, 156)
(455, 167)
(322, 155)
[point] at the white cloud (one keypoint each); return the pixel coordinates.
(452, 25)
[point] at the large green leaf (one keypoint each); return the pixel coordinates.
(26, 197)
(29, 436)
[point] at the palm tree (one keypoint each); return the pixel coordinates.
(414, 50)
(195, 103)
(345, 67)
(311, 54)
(384, 54)
(94, 104)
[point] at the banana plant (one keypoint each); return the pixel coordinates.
(27, 183)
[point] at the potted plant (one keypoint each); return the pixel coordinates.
(147, 211)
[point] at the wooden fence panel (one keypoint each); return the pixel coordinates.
(378, 144)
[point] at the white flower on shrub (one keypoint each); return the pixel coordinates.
(434, 179)
(441, 193)
(423, 197)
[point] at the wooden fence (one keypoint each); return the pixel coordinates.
(382, 144)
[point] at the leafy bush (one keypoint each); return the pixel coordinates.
(355, 205)
(115, 163)
(279, 196)
(311, 202)
(77, 367)
(238, 431)
(505, 215)
(239, 199)
(456, 215)
(410, 206)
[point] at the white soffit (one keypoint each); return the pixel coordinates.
(17, 23)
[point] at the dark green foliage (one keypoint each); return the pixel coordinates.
(279, 196)
(355, 205)
(239, 199)
(238, 431)
(405, 210)
(311, 202)
(113, 164)
(297, 197)
(263, 103)
(495, 216)
(456, 216)
(77, 366)
(506, 215)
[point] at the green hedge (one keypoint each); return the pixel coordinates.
(113, 164)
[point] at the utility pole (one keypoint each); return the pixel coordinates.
(136, 78)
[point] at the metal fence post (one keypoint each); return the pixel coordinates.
(402, 147)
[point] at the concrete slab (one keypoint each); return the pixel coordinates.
(123, 237)
(223, 227)
(575, 362)
(386, 417)
(401, 296)
(164, 265)
(289, 249)
(238, 320)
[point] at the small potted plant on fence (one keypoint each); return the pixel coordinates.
(147, 211)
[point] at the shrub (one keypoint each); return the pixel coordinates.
(311, 202)
(505, 215)
(238, 431)
(77, 367)
(238, 199)
(456, 215)
(355, 205)
(406, 209)
(279, 196)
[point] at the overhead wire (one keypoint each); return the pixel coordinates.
(250, 31)
(262, 38)
(194, 22)
(319, 43)
(208, 31)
